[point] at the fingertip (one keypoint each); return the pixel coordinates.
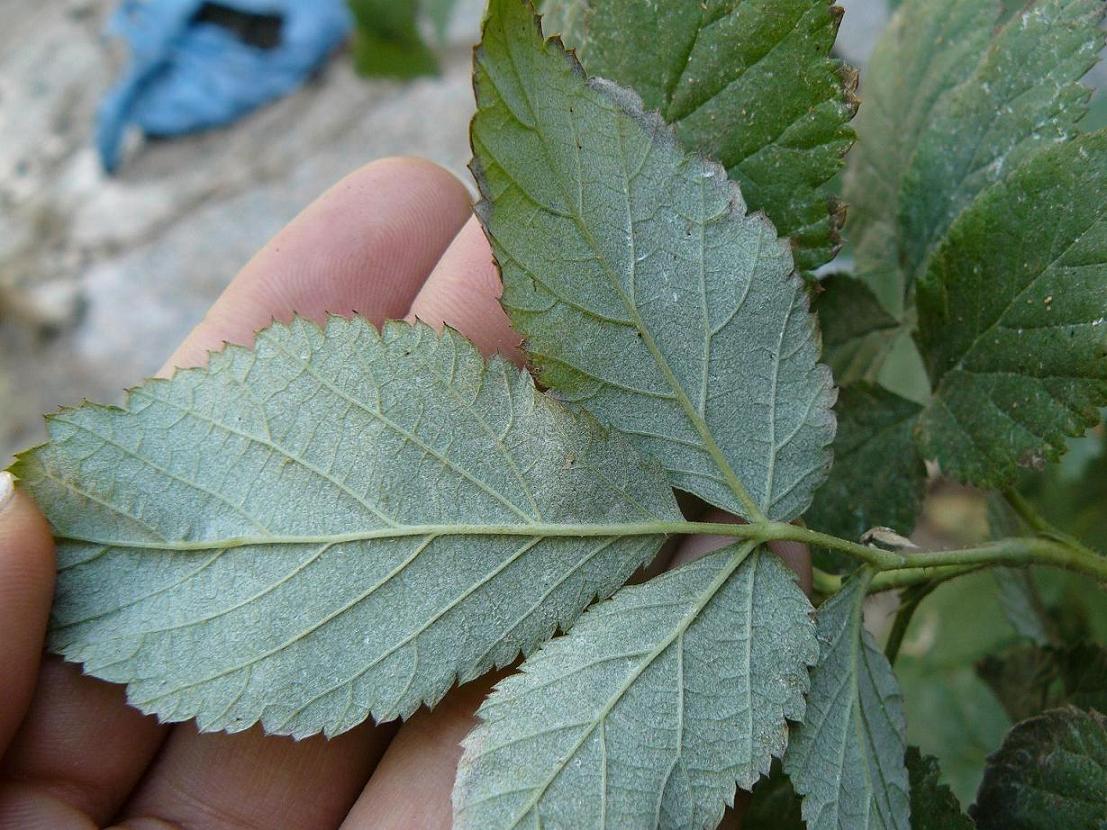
(464, 293)
(365, 246)
(26, 591)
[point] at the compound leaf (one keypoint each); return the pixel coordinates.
(933, 804)
(847, 757)
(749, 83)
(337, 524)
(645, 290)
(653, 707)
(1050, 772)
(1011, 317)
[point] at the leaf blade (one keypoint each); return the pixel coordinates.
(571, 172)
(984, 306)
(636, 727)
(748, 83)
(256, 469)
(853, 774)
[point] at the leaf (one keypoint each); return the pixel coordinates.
(933, 805)
(951, 712)
(847, 757)
(1011, 318)
(878, 479)
(1051, 772)
(387, 40)
(858, 333)
(651, 709)
(1028, 680)
(1084, 674)
(1024, 94)
(929, 47)
(335, 525)
(1023, 679)
(1021, 604)
(774, 804)
(748, 83)
(644, 289)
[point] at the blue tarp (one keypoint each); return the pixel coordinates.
(189, 71)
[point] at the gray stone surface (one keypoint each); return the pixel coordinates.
(101, 277)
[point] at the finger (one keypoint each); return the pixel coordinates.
(251, 779)
(412, 784)
(26, 588)
(366, 246)
(464, 291)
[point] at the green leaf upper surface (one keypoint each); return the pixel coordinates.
(1012, 317)
(933, 806)
(387, 40)
(1024, 94)
(334, 525)
(1051, 772)
(929, 47)
(645, 291)
(847, 757)
(653, 707)
(878, 478)
(749, 83)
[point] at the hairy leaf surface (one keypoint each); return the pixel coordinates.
(847, 757)
(645, 291)
(653, 707)
(749, 83)
(1050, 769)
(334, 525)
(1012, 317)
(933, 805)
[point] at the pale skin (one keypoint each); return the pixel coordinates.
(396, 239)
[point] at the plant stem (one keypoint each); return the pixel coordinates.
(894, 568)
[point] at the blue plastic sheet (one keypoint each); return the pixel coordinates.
(190, 71)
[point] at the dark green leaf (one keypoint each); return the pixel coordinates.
(1012, 317)
(878, 478)
(1024, 678)
(1049, 774)
(928, 49)
(749, 83)
(774, 804)
(858, 333)
(933, 805)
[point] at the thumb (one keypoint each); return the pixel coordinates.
(26, 589)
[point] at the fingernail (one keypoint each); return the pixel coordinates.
(7, 489)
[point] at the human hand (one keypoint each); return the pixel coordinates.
(394, 240)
